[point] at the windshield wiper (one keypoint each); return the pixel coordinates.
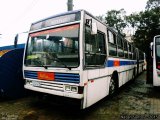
(39, 62)
(58, 60)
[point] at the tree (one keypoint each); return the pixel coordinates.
(101, 17)
(132, 20)
(151, 4)
(116, 19)
(148, 26)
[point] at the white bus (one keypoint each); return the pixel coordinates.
(155, 46)
(76, 55)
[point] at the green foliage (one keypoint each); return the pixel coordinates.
(116, 19)
(151, 4)
(148, 26)
(132, 20)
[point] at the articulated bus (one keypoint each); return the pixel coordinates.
(76, 55)
(155, 46)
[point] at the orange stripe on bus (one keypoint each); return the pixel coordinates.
(116, 63)
(3, 52)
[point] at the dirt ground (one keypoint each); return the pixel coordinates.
(135, 100)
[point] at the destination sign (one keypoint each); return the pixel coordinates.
(56, 21)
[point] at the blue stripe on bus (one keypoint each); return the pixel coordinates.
(111, 63)
(7, 47)
(12, 47)
(59, 77)
(20, 45)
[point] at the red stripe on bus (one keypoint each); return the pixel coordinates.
(85, 84)
(92, 81)
(54, 30)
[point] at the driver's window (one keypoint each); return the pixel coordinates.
(95, 49)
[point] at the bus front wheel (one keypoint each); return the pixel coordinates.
(112, 86)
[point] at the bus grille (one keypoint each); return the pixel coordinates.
(59, 77)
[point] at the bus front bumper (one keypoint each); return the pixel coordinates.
(54, 92)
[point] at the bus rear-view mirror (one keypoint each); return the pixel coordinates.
(94, 29)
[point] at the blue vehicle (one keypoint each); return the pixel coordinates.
(11, 59)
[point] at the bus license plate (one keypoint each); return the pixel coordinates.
(36, 83)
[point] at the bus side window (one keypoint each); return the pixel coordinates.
(125, 49)
(101, 56)
(130, 51)
(120, 47)
(134, 53)
(112, 43)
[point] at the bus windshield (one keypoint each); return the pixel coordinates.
(58, 47)
(157, 40)
(158, 51)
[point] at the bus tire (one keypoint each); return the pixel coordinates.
(113, 86)
(134, 74)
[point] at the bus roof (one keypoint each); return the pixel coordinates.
(68, 13)
(57, 15)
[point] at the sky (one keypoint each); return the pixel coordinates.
(16, 16)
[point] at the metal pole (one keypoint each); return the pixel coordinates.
(70, 5)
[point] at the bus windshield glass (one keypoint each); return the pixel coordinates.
(158, 50)
(58, 47)
(157, 41)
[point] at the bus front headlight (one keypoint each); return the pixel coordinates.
(74, 89)
(28, 82)
(70, 88)
(67, 88)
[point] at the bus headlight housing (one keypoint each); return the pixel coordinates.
(28, 82)
(67, 88)
(70, 88)
(74, 89)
